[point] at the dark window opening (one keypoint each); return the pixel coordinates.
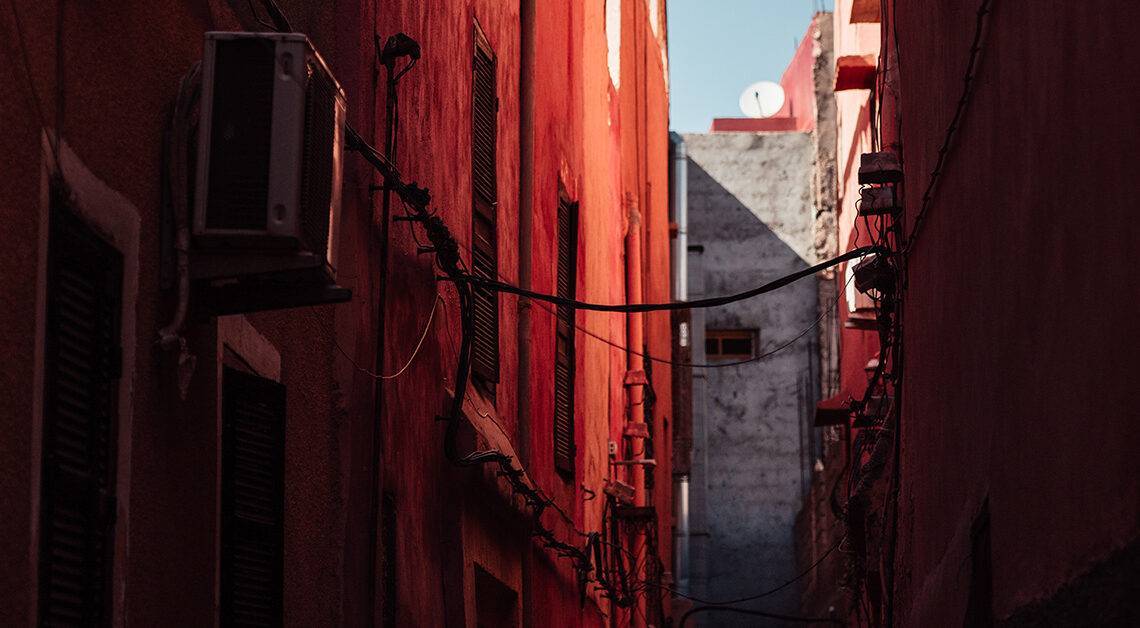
(730, 344)
(81, 385)
(979, 606)
(484, 222)
(564, 447)
(253, 500)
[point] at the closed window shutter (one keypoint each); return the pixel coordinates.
(564, 349)
(484, 177)
(81, 375)
(253, 500)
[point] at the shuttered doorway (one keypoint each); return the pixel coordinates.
(253, 499)
(81, 382)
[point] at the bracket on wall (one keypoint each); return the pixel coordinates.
(635, 378)
(273, 291)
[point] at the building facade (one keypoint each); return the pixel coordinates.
(540, 130)
(753, 207)
(1003, 495)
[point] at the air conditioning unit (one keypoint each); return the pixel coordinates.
(270, 147)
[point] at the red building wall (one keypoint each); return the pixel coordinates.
(1021, 311)
(602, 143)
(1017, 318)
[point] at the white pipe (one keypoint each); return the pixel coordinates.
(169, 337)
(681, 534)
(681, 216)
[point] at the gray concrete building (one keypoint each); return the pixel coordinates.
(758, 208)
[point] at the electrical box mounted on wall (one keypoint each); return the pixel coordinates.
(268, 179)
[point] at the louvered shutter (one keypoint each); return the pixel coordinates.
(81, 375)
(484, 177)
(564, 349)
(253, 500)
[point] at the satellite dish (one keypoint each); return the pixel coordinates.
(762, 100)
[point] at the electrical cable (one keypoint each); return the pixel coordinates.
(744, 611)
(697, 365)
(952, 129)
(411, 358)
(676, 305)
(764, 594)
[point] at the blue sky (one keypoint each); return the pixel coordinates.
(719, 47)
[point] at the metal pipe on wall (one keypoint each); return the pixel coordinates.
(681, 217)
(635, 341)
(681, 536)
(526, 229)
(680, 193)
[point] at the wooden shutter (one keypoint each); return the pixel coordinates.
(81, 377)
(253, 500)
(564, 344)
(484, 178)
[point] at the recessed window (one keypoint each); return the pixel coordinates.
(564, 448)
(730, 344)
(484, 218)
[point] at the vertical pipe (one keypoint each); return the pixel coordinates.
(635, 342)
(526, 228)
(681, 216)
(681, 293)
(681, 542)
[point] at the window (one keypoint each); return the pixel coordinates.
(484, 193)
(564, 337)
(81, 389)
(253, 499)
(730, 344)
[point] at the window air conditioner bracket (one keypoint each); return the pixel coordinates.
(274, 291)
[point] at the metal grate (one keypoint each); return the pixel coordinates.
(253, 500)
(485, 255)
(317, 158)
(81, 369)
(240, 134)
(564, 449)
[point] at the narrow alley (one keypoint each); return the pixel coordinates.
(512, 313)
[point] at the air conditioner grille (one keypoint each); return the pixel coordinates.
(317, 160)
(240, 135)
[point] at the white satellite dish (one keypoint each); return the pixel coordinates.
(762, 100)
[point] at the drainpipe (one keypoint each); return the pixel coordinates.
(526, 229)
(635, 341)
(681, 293)
(681, 217)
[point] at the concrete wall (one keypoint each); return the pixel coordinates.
(751, 208)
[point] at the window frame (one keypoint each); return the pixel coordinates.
(565, 356)
(485, 355)
(719, 335)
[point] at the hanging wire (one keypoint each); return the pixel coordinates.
(411, 358)
(676, 305)
(952, 129)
